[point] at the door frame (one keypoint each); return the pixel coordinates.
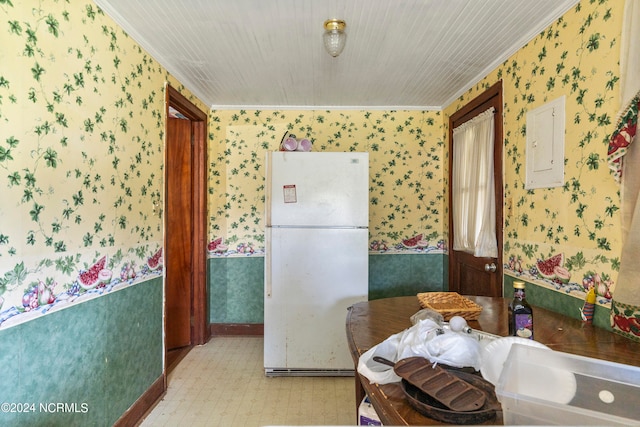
(476, 106)
(199, 301)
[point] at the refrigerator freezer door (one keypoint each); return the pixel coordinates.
(317, 189)
(312, 277)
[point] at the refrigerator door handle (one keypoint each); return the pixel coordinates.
(267, 264)
(268, 190)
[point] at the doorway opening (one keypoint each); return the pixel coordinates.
(470, 275)
(185, 221)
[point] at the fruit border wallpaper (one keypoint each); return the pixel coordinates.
(565, 238)
(81, 153)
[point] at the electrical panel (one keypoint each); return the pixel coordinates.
(545, 145)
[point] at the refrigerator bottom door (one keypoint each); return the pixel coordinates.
(312, 277)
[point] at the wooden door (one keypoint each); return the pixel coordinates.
(469, 275)
(178, 234)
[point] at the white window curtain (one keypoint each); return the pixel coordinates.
(624, 156)
(473, 190)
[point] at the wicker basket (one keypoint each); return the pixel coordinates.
(450, 304)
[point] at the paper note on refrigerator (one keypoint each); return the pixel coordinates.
(289, 194)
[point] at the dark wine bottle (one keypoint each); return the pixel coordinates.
(520, 313)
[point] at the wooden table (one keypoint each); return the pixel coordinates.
(370, 323)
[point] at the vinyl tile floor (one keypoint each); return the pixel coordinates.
(222, 383)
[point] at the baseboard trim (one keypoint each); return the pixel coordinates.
(222, 329)
(141, 407)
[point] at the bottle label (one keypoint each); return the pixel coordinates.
(523, 325)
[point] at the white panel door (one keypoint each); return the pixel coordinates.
(313, 276)
(317, 189)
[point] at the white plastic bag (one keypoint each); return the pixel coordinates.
(455, 349)
(377, 372)
(425, 339)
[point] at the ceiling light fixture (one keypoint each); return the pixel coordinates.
(334, 36)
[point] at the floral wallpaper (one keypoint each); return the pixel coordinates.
(405, 161)
(565, 238)
(81, 158)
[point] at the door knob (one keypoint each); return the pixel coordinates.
(490, 268)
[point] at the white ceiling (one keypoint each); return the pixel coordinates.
(400, 54)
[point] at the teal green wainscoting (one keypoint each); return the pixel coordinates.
(97, 358)
(393, 275)
(236, 289)
(236, 284)
(557, 301)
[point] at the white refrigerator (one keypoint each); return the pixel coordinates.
(316, 259)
